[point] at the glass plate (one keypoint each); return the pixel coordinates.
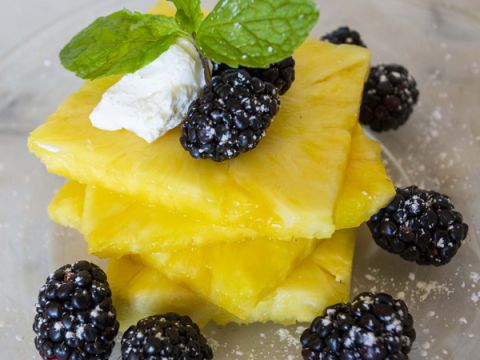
(438, 148)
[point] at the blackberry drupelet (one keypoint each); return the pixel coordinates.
(420, 226)
(168, 336)
(230, 117)
(371, 327)
(281, 74)
(75, 318)
(344, 35)
(388, 98)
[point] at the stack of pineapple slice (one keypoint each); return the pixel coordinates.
(268, 236)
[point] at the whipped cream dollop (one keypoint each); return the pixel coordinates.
(155, 98)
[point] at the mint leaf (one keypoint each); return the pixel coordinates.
(189, 15)
(119, 43)
(255, 33)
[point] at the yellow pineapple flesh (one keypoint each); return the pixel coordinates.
(66, 208)
(115, 225)
(141, 290)
(320, 280)
(306, 150)
(233, 276)
(366, 187)
(313, 285)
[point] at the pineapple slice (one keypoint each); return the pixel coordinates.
(66, 208)
(366, 187)
(210, 270)
(114, 225)
(258, 266)
(321, 280)
(140, 290)
(306, 151)
(232, 276)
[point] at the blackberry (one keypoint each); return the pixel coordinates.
(371, 327)
(344, 35)
(420, 226)
(388, 98)
(168, 336)
(281, 74)
(230, 117)
(75, 318)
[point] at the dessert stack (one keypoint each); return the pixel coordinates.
(267, 236)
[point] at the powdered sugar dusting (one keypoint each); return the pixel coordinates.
(411, 290)
(287, 337)
(426, 289)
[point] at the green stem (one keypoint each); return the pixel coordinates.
(205, 63)
(206, 69)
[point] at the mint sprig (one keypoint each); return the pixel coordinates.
(119, 43)
(252, 33)
(255, 33)
(189, 14)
